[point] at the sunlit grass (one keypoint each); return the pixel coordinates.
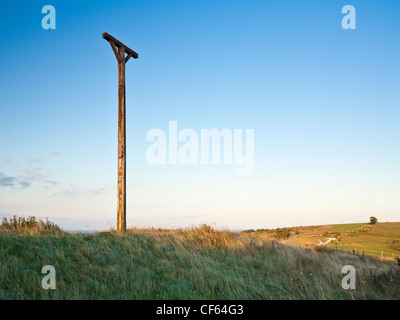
(345, 227)
(193, 263)
(30, 226)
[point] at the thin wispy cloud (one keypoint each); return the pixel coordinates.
(98, 191)
(10, 181)
(56, 153)
(51, 182)
(70, 192)
(24, 184)
(6, 181)
(37, 175)
(76, 191)
(27, 178)
(35, 160)
(33, 174)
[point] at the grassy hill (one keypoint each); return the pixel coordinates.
(381, 240)
(197, 263)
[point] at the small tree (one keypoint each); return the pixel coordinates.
(373, 220)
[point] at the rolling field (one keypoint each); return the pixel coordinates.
(383, 240)
(380, 240)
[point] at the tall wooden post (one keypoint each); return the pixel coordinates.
(123, 54)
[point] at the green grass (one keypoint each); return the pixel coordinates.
(197, 263)
(344, 227)
(382, 240)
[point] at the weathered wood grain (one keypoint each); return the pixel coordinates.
(120, 55)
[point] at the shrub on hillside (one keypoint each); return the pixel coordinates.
(283, 233)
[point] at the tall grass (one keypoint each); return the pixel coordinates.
(29, 226)
(193, 263)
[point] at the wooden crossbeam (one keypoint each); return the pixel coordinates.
(119, 44)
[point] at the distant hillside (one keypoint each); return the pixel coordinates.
(381, 240)
(198, 263)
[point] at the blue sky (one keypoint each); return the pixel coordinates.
(323, 103)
